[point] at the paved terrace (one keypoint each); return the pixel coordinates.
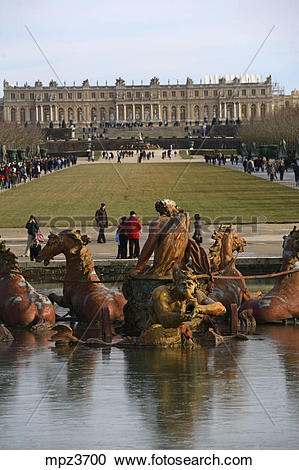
(263, 240)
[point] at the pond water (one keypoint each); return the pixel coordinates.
(242, 395)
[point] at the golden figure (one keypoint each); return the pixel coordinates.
(181, 301)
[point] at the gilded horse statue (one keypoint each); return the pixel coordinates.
(228, 291)
(84, 297)
(20, 303)
(282, 301)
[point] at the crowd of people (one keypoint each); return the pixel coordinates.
(257, 164)
(12, 174)
(127, 234)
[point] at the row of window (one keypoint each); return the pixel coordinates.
(138, 94)
(173, 113)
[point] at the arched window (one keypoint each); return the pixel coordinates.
(147, 113)
(129, 111)
(230, 111)
(111, 115)
(46, 110)
(253, 110)
(70, 114)
(13, 114)
(182, 113)
(196, 113)
(138, 113)
(165, 113)
(244, 111)
(156, 112)
(93, 114)
(32, 115)
(206, 111)
(173, 113)
(60, 115)
(79, 115)
(102, 114)
(22, 115)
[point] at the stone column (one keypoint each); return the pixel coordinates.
(151, 108)
(86, 115)
(116, 109)
(142, 112)
(133, 107)
(41, 114)
(248, 111)
(225, 115)
(258, 111)
(239, 110)
(51, 113)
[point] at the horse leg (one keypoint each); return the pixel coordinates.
(59, 299)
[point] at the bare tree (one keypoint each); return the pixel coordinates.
(16, 136)
(283, 124)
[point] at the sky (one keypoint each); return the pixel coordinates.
(137, 40)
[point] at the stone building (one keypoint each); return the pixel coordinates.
(222, 97)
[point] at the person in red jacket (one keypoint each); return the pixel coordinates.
(133, 228)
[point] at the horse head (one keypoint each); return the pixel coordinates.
(68, 242)
(227, 241)
(290, 246)
(8, 260)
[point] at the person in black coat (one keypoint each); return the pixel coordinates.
(35, 250)
(32, 228)
(123, 239)
(102, 222)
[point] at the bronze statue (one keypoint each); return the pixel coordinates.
(181, 301)
(84, 297)
(282, 301)
(20, 303)
(228, 291)
(167, 239)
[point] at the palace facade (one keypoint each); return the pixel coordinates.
(222, 97)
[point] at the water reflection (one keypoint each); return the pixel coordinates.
(240, 395)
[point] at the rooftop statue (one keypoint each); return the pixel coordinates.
(155, 81)
(120, 82)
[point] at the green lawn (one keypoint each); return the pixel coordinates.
(196, 187)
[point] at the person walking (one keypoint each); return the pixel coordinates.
(133, 228)
(281, 170)
(102, 222)
(197, 235)
(32, 229)
(122, 239)
(296, 173)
